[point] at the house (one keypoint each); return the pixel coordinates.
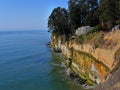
(83, 30)
(116, 27)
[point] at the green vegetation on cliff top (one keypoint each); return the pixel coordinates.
(102, 15)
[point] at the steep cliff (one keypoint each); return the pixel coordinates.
(93, 61)
(89, 66)
(106, 51)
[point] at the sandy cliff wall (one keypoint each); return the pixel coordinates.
(107, 53)
(92, 63)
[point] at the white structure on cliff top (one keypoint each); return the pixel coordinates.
(83, 30)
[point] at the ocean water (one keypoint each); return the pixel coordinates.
(26, 63)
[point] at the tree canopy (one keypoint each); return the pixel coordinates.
(84, 13)
(58, 21)
(109, 12)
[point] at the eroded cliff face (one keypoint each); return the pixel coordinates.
(93, 64)
(107, 52)
(89, 67)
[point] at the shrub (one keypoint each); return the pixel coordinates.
(79, 39)
(117, 22)
(105, 27)
(95, 29)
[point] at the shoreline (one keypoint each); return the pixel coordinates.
(71, 73)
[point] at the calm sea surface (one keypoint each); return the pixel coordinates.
(26, 63)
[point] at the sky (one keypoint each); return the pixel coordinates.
(27, 14)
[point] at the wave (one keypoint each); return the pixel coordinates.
(55, 64)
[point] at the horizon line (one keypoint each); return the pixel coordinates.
(23, 30)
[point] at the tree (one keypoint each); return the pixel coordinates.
(92, 18)
(108, 12)
(83, 12)
(95, 18)
(74, 14)
(58, 21)
(118, 9)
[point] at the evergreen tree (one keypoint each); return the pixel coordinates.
(83, 12)
(58, 21)
(74, 14)
(92, 19)
(118, 9)
(108, 12)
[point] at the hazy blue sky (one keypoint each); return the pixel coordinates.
(27, 14)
